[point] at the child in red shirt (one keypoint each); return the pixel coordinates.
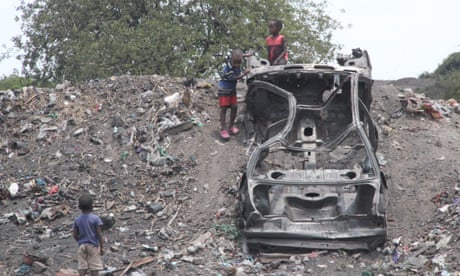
(276, 43)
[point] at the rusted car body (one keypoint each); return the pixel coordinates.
(312, 180)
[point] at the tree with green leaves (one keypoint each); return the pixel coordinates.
(85, 39)
(447, 77)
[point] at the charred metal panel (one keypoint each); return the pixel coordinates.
(313, 180)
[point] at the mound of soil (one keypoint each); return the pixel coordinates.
(147, 148)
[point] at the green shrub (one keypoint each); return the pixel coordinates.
(447, 77)
(450, 66)
(16, 82)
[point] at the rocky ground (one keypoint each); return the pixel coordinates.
(147, 148)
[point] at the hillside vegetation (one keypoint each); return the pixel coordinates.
(80, 40)
(447, 77)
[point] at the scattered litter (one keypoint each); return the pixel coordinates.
(130, 162)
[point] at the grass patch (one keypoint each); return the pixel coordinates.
(229, 230)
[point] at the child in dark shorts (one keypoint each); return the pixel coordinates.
(227, 93)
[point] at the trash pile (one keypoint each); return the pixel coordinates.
(434, 253)
(416, 103)
(421, 136)
(120, 139)
(147, 149)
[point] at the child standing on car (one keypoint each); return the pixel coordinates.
(87, 231)
(227, 93)
(276, 43)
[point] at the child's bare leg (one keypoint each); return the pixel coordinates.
(223, 111)
(233, 110)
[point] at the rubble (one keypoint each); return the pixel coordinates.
(416, 103)
(164, 182)
(113, 138)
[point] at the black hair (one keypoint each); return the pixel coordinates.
(236, 53)
(278, 23)
(85, 202)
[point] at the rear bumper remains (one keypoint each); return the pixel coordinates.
(283, 233)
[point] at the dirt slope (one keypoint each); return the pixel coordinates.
(172, 191)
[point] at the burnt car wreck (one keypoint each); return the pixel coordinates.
(312, 180)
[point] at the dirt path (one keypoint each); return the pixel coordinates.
(421, 160)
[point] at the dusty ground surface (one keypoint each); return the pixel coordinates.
(172, 190)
